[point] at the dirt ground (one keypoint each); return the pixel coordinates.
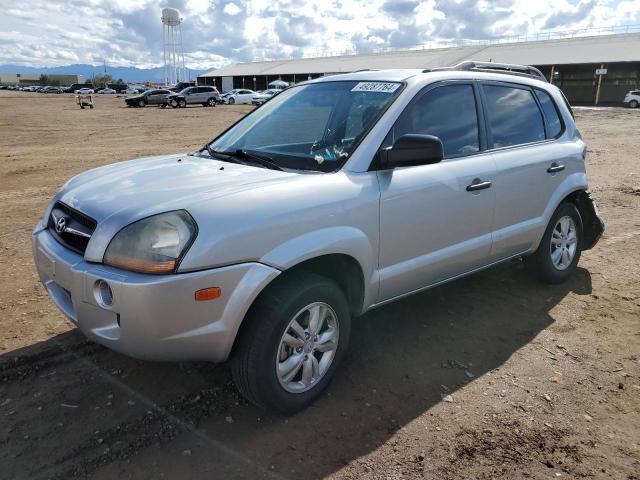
(492, 376)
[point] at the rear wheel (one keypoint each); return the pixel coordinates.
(633, 104)
(559, 251)
(291, 344)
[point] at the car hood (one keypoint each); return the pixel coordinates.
(158, 184)
(119, 194)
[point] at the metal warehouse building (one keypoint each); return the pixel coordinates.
(570, 63)
(34, 78)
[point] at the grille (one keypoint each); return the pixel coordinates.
(70, 227)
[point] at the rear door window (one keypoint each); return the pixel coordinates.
(554, 126)
(514, 116)
(447, 112)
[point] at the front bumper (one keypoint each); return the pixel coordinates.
(152, 317)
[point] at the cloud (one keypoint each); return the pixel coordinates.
(231, 9)
(218, 32)
(569, 16)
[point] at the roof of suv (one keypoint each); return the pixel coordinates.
(492, 71)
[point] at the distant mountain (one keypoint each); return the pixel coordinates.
(128, 74)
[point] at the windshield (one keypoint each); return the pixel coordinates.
(311, 127)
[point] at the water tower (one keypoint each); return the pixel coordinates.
(174, 70)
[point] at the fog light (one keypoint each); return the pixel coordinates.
(103, 293)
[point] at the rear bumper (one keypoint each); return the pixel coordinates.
(152, 317)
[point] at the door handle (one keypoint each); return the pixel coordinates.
(555, 168)
(478, 185)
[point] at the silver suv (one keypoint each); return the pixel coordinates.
(205, 96)
(336, 197)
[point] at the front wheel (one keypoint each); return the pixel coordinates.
(292, 342)
(211, 102)
(232, 101)
(182, 103)
(633, 104)
(559, 251)
(141, 103)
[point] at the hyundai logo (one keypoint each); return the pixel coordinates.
(61, 225)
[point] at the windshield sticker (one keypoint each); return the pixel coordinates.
(380, 87)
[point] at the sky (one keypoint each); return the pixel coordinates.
(47, 33)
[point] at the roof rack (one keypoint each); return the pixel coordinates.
(506, 68)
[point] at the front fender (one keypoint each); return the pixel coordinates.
(331, 240)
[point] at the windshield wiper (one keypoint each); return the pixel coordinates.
(254, 158)
(227, 157)
(263, 160)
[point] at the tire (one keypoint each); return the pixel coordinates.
(163, 105)
(141, 103)
(541, 263)
(173, 104)
(260, 346)
(633, 104)
(182, 103)
(231, 101)
(211, 102)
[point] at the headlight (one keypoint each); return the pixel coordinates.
(154, 244)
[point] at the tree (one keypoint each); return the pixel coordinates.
(44, 80)
(119, 82)
(100, 81)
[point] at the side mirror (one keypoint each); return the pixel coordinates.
(412, 150)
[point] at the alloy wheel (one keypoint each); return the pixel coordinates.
(307, 348)
(564, 242)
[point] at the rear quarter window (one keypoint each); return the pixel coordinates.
(554, 125)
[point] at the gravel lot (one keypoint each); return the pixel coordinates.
(492, 376)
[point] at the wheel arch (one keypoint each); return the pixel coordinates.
(341, 268)
(592, 225)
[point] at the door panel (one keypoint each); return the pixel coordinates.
(523, 189)
(523, 186)
(431, 227)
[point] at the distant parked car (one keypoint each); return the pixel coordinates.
(52, 90)
(107, 91)
(84, 91)
(260, 98)
(77, 86)
(205, 96)
(150, 97)
(632, 99)
(180, 86)
(131, 91)
(238, 96)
